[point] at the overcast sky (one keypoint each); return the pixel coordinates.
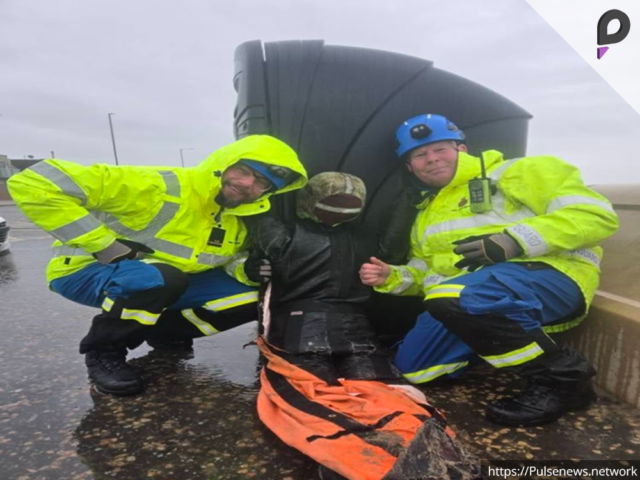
(165, 69)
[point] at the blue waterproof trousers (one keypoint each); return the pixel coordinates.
(501, 314)
(146, 301)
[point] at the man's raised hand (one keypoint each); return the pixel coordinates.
(374, 273)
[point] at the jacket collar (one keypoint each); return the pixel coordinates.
(467, 169)
(469, 166)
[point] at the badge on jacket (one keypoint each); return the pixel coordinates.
(216, 238)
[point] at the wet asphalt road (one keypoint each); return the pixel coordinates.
(197, 420)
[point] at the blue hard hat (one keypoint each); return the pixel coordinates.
(279, 176)
(426, 129)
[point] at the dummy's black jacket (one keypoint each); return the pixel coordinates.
(318, 301)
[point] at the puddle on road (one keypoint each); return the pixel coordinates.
(8, 271)
(196, 421)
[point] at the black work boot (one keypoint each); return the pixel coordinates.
(109, 369)
(541, 403)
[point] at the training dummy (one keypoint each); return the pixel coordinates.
(326, 382)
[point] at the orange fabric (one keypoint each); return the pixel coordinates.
(366, 402)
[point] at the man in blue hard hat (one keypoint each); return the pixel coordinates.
(504, 252)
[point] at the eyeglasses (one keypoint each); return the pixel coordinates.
(278, 171)
(261, 183)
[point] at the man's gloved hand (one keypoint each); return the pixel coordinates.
(486, 250)
(122, 250)
(258, 269)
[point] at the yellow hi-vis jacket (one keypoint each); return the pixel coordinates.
(541, 202)
(171, 210)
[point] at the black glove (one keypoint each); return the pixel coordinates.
(486, 250)
(122, 250)
(258, 269)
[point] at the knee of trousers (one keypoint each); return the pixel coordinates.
(471, 328)
(445, 309)
(175, 281)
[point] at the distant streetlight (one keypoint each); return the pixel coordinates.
(113, 138)
(181, 157)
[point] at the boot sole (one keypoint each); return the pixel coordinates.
(546, 421)
(118, 393)
(506, 423)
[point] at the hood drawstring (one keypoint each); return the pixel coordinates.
(218, 215)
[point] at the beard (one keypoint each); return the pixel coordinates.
(225, 202)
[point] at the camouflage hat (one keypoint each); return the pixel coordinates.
(332, 198)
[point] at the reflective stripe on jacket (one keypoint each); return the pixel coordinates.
(171, 210)
(541, 201)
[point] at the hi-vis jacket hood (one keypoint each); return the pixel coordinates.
(207, 176)
(541, 202)
(169, 209)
